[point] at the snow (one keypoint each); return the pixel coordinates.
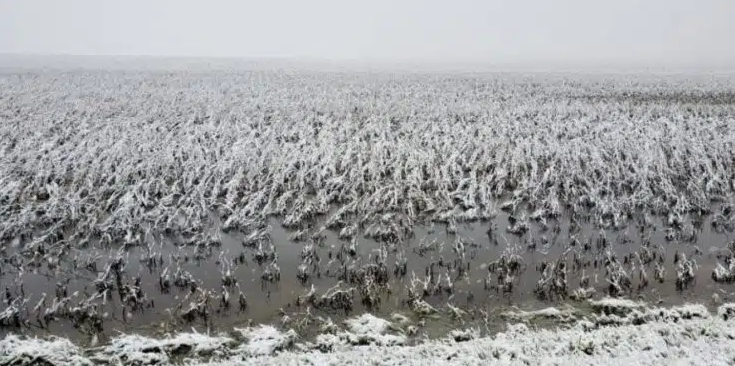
(111, 153)
(265, 340)
(144, 350)
(548, 313)
(696, 342)
(687, 334)
(368, 329)
(410, 123)
(362, 330)
(57, 351)
(367, 324)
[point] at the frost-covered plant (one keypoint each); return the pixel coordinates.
(120, 154)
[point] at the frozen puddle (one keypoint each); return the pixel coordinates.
(614, 332)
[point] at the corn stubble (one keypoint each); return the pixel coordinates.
(94, 164)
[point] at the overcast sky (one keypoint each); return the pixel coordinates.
(641, 32)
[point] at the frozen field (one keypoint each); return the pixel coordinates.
(155, 203)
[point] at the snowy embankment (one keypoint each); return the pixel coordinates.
(616, 332)
(700, 342)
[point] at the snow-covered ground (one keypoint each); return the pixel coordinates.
(616, 333)
(695, 342)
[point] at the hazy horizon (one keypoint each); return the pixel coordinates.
(233, 63)
(532, 33)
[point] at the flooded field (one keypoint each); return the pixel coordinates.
(155, 203)
(474, 273)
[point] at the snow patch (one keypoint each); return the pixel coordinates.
(363, 330)
(141, 350)
(16, 350)
(547, 313)
(265, 340)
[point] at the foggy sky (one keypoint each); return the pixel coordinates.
(640, 32)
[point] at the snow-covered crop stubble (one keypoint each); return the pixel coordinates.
(91, 159)
(116, 155)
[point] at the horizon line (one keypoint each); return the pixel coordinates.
(397, 64)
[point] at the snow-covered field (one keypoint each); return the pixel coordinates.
(136, 205)
(126, 154)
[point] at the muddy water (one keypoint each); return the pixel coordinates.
(269, 302)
